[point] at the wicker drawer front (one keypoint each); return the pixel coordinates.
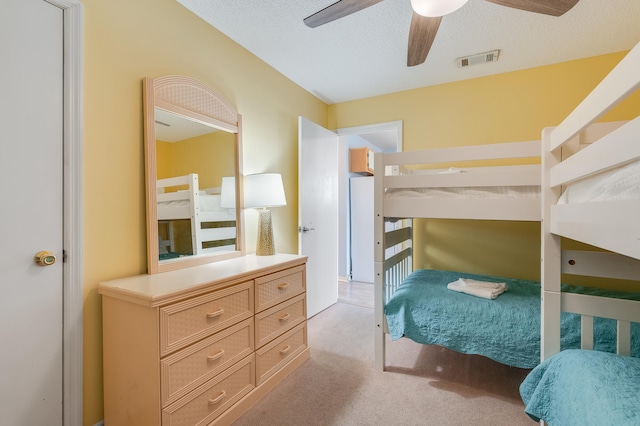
(276, 354)
(203, 405)
(189, 368)
(191, 320)
(275, 321)
(278, 287)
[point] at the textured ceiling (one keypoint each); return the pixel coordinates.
(364, 54)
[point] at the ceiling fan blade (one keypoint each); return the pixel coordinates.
(337, 10)
(423, 31)
(546, 7)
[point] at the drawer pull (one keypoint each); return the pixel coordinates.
(285, 349)
(283, 286)
(217, 398)
(285, 317)
(216, 355)
(215, 313)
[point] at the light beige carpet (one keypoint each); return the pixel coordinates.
(423, 385)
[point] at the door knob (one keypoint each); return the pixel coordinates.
(305, 229)
(44, 258)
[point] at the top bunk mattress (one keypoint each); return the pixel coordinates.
(473, 186)
(621, 183)
(480, 192)
(208, 204)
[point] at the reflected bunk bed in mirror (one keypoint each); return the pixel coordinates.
(193, 174)
(200, 216)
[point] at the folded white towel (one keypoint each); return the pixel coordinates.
(452, 170)
(485, 289)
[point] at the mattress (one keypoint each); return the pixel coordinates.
(580, 387)
(180, 208)
(622, 183)
(488, 192)
(506, 329)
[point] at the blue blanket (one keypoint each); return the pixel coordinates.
(506, 329)
(580, 387)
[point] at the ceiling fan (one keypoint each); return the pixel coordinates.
(427, 15)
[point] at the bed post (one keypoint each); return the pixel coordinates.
(379, 252)
(194, 207)
(550, 272)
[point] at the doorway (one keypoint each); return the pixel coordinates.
(330, 270)
(355, 235)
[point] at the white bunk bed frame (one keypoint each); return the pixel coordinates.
(198, 217)
(610, 225)
(392, 269)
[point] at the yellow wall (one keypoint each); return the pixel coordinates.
(128, 40)
(125, 41)
(501, 108)
(163, 159)
(508, 107)
(211, 156)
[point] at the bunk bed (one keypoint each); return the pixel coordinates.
(407, 187)
(211, 225)
(495, 182)
(590, 194)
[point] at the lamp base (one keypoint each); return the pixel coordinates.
(265, 246)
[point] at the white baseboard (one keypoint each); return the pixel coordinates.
(100, 423)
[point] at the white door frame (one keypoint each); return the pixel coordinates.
(375, 128)
(73, 212)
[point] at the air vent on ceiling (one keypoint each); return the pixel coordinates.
(480, 58)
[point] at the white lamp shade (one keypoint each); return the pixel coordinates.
(433, 8)
(228, 192)
(264, 190)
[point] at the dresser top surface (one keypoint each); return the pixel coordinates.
(157, 289)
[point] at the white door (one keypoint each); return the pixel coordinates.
(318, 212)
(31, 217)
(361, 208)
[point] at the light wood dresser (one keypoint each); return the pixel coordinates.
(199, 346)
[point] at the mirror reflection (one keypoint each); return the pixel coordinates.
(193, 159)
(195, 171)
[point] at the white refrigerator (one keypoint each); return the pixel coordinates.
(361, 226)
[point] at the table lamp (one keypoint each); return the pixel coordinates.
(264, 190)
(228, 192)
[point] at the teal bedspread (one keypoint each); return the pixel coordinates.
(506, 329)
(580, 387)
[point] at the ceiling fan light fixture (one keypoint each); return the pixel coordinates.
(434, 8)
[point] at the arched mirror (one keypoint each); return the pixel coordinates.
(193, 174)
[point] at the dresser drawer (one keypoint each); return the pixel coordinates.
(276, 354)
(189, 368)
(203, 405)
(275, 321)
(191, 320)
(278, 287)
